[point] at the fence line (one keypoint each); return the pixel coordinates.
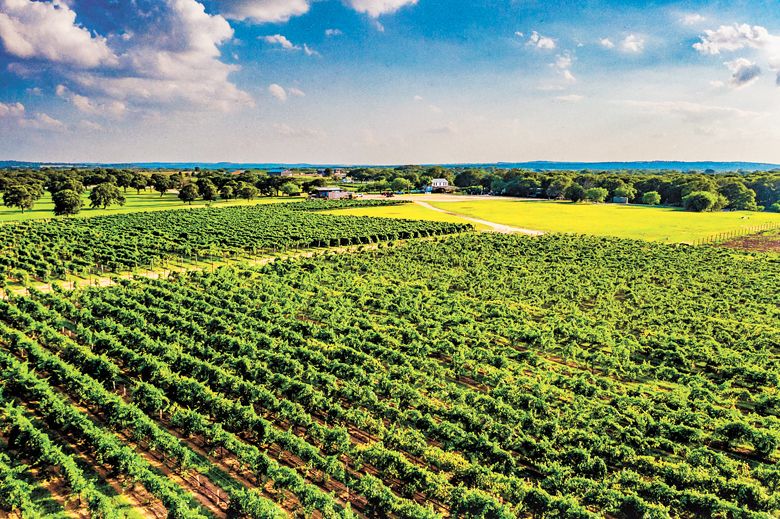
(745, 231)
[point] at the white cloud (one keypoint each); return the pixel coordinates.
(572, 98)
(278, 92)
(86, 105)
(296, 92)
(563, 64)
(731, 38)
(263, 11)
(607, 43)
(282, 41)
(632, 43)
(540, 42)
(376, 8)
(174, 61)
(48, 30)
(12, 110)
(691, 19)
(333, 32)
(16, 114)
(744, 72)
(735, 37)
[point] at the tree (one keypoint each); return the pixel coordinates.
(651, 198)
(596, 194)
(106, 194)
(139, 182)
(23, 197)
(401, 184)
(739, 197)
(161, 183)
(290, 189)
(188, 193)
(67, 202)
(247, 191)
(207, 189)
(700, 201)
(574, 192)
(557, 187)
(227, 192)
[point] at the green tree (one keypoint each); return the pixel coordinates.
(106, 194)
(161, 183)
(596, 194)
(558, 187)
(700, 201)
(290, 189)
(139, 182)
(401, 184)
(207, 189)
(651, 198)
(188, 193)
(67, 202)
(23, 197)
(739, 196)
(574, 192)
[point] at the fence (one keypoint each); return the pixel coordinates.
(745, 231)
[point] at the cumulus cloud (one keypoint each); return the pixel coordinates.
(278, 92)
(732, 38)
(691, 19)
(538, 41)
(282, 41)
(175, 60)
(607, 43)
(89, 106)
(744, 72)
(15, 113)
(48, 31)
(632, 43)
(263, 11)
(563, 64)
(376, 8)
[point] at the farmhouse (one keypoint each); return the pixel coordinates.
(330, 193)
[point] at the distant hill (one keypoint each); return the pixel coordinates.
(538, 165)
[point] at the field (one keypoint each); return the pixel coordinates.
(476, 375)
(662, 224)
(146, 201)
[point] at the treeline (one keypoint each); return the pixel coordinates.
(23, 188)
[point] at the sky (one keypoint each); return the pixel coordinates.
(389, 81)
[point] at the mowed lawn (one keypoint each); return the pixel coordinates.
(627, 221)
(405, 211)
(148, 201)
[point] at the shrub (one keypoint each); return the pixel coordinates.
(596, 194)
(651, 198)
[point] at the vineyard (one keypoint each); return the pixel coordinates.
(474, 376)
(59, 248)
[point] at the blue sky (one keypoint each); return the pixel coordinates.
(388, 81)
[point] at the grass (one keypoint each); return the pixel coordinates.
(147, 201)
(405, 211)
(662, 224)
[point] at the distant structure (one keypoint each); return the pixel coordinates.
(330, 193)
(441, 185)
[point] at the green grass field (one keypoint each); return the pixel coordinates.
(649, 223)
(148, 201)
(406, 211)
